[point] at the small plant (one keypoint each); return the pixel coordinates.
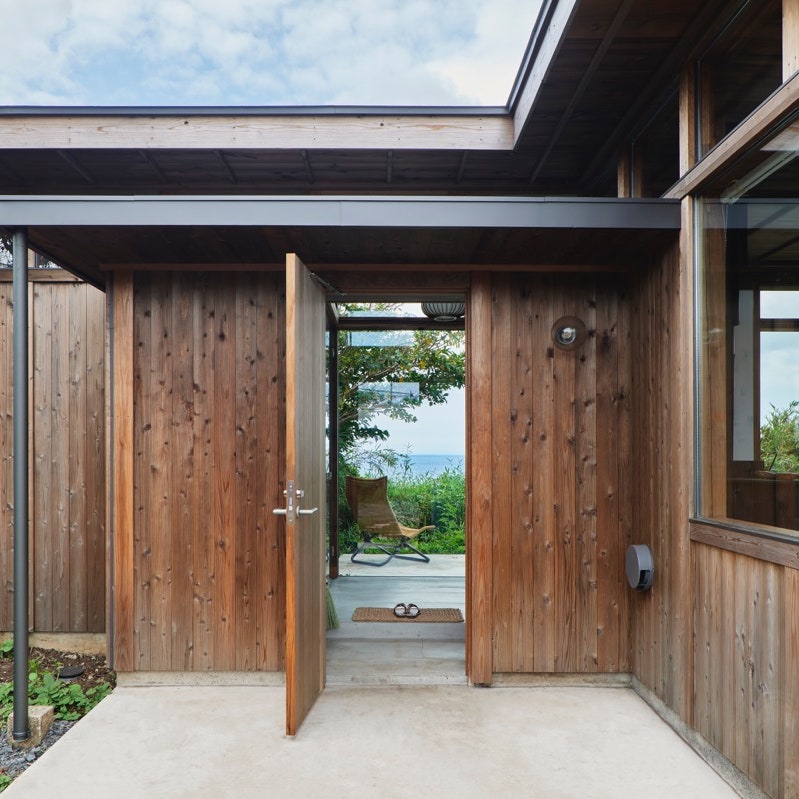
(5, 781)
(69, 700)
(7, 648)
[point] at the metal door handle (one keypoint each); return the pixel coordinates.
(290, 494)
(309, 512)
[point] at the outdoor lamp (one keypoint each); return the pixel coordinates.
(444, 311)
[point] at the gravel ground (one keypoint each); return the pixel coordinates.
(93, 671)
(14, 761)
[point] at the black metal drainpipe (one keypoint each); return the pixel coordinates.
(21, 730)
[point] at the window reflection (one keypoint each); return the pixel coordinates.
(742, 67)
(749, 343)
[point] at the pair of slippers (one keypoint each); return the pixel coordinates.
(403, 611)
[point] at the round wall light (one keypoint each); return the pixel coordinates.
(568, 332)
(444, 311)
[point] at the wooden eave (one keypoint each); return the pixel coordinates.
(92, 235)
(586, 65)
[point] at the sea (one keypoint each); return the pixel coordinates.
(434, 464)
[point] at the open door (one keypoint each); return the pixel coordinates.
(305, 492)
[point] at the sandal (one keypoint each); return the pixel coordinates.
(412, 611)
(400, 610)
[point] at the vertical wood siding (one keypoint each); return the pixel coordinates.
(208, 444)
(560, 516)
(67, 421)
(660, 478)
(745, 694)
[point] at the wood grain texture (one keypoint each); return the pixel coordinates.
(121, 524)
(269, 132)
(776, 107)
(305, 470)
(207, 393)
(557, 547)
(479, 474)
(785, 553)
(790, 695)
(66, 440)
(661, 400)
(790, 38)
(743, 683)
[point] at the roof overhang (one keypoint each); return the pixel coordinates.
(93, 235)
(356, 211)
(593, 73)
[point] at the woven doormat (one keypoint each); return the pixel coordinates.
(425, 615)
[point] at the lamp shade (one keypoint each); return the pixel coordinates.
(444, 311)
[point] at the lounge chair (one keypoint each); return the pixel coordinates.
(376, 520)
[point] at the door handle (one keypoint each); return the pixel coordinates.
(292, 507)
(290, 494)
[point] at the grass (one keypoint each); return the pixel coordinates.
(419, 500)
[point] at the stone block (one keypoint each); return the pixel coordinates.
(40, 719)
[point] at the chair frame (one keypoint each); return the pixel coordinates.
(381, 524)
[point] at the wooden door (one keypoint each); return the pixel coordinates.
(305, 486)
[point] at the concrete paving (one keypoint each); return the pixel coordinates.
(388, 743)
(397, 721)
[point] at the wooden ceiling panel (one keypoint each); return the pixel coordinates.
(88, 251)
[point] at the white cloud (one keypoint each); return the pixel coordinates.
(493, 55)
(157, 52)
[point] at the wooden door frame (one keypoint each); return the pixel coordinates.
(475, 288)
(479, 568)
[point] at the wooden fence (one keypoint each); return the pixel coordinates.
(67, 460)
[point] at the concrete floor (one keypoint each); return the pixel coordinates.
(390, 742)
(396, 720)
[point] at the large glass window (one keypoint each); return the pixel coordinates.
(749, 341)
(742, 68)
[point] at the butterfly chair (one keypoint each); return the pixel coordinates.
(376, 520)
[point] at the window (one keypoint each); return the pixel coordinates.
(748, 296)
(742, 67)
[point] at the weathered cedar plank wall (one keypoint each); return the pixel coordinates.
(208, 447)
(661, 479)
(560, 507)
(717, 637)
(67, 422)
(741, 673)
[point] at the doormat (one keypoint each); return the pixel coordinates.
(425, 615)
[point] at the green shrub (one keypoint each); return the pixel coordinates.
(69, 700)
(419, 500)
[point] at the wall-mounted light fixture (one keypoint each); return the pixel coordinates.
(640, 567)
(444, 311)
(568, 332)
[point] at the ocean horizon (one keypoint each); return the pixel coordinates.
(434, 464)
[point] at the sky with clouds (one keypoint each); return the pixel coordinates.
(262, 52)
